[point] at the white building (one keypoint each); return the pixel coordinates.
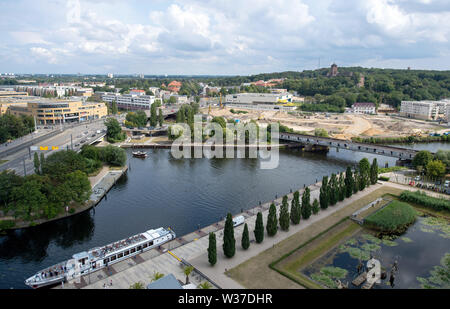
(260, 101)
(426, 110)
(364, 108)
(130, 101)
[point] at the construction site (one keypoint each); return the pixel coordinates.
(343, 126)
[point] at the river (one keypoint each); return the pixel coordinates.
(162, 191)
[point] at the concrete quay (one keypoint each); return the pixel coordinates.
(193, 249)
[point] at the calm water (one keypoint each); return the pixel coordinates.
(417, 251)
(162, 191)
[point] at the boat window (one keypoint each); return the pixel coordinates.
(139, 247)
(120, 255)
(113, 258)
(133, 250)
(145, 245)
(150, 243)
(105, 261)
(126, 252)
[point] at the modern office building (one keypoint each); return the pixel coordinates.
(53, 111)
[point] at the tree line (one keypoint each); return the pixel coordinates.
(12, 127)
(60, 180)
(332, 191)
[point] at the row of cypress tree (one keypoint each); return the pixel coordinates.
(335, 190)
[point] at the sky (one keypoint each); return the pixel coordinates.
(221, 37)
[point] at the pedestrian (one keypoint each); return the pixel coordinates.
(110, 283)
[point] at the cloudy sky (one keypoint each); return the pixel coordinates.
(221, 37)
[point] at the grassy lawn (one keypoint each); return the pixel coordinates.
(255, 273)
(313, 249)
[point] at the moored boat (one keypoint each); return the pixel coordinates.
(97, 258)
(139, 154)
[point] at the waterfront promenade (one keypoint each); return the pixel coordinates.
(193, 249)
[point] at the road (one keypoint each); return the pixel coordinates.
(81, 134)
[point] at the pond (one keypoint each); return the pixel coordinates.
(418, 251)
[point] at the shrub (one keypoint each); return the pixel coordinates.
(383, 178)
(394, 218)
(422, 199)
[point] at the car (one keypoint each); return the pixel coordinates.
(447, 183)
(93, 135)
(417, 178)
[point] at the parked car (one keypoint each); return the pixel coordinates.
(417, 178)
(447, 183)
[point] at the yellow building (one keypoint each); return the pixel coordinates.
(53, 111)
(11, 94)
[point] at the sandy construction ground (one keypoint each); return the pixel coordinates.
(343, 126)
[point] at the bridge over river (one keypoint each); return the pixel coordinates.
(389, 151)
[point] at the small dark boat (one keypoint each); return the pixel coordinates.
(140, 154)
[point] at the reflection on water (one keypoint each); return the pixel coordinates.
(417, 252)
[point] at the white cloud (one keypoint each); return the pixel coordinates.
(222, 36)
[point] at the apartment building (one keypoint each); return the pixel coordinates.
(425, 110)
(135, 100)
(54, 111)
(364, 108)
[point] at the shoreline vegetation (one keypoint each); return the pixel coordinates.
(59, 187)
(402, 139)
(395, 218)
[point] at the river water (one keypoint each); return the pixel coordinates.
(162, 191)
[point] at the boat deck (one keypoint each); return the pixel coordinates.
(100, 252)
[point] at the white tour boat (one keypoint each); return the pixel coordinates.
(97, 258)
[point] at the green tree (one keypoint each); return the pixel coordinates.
(114, 156)
(114, 132)
(349, 182)
(212, 249)
(37, 164)
(333, 190)
(306, 204)
(364, 174)
(137, 286)
(374, 172)
(435, 169)
(341, 187)
(187, 271)
(28, 199)
(272, 222)
(153, 116)
(229, 243)
(79, 186)
(422, 158)
(204, 286)
(245, 241)
(160, 118)
(324, 193)
(284, 214)
(156, 276)
(295, 208)
(114, 109)
(315, 207)
(356, 181)
(259, 228)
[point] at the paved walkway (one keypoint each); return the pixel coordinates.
(193, 248)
